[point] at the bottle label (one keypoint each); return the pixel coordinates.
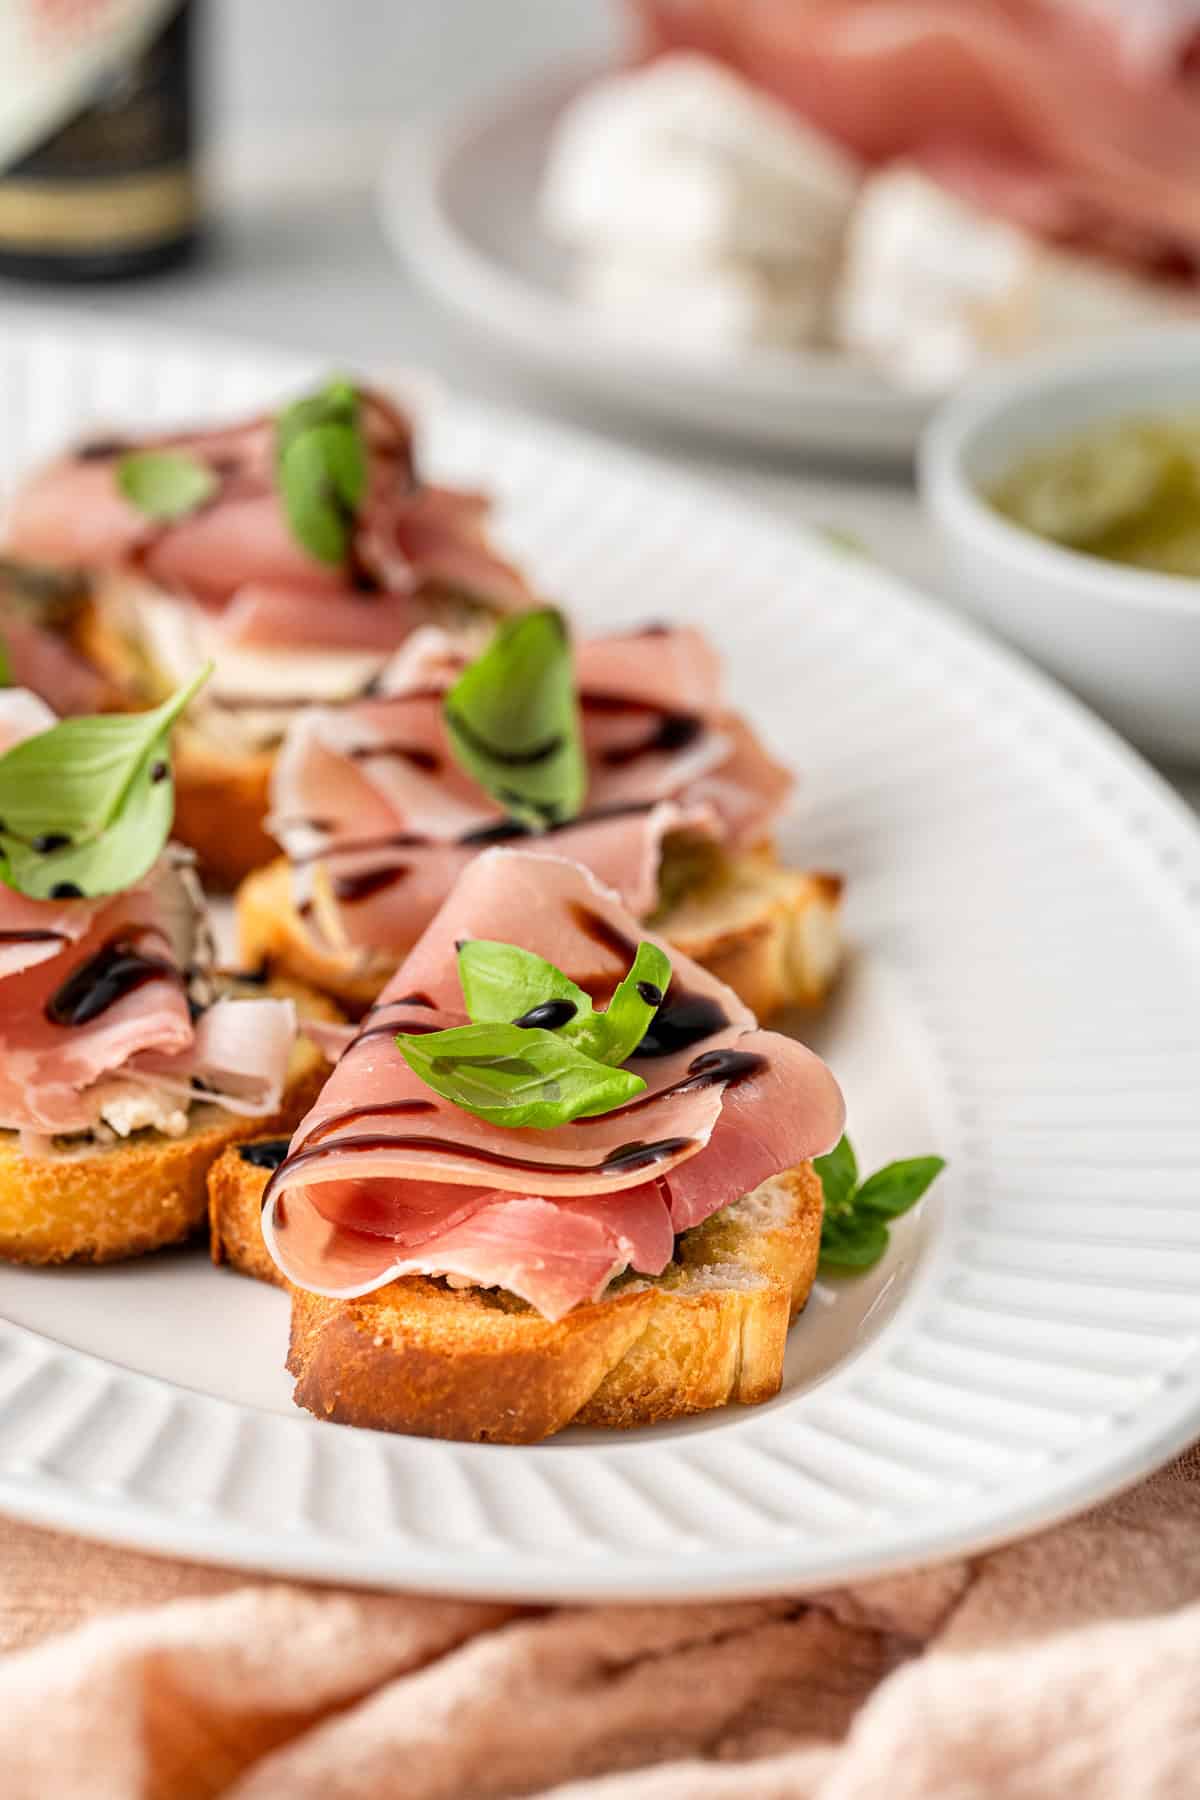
(95, 124)
(56, 56)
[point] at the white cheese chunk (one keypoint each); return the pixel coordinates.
(126, 1107)
(684, 160)
(178, 637)
(931, 285)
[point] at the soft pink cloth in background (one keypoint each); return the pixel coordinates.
(1066, 1665)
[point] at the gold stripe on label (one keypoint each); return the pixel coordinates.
(127, 210)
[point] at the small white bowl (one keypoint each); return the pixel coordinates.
(1127, 640)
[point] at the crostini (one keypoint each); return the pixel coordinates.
(558, 1175)
(295, 551)
(127, 1061)
(621, 755)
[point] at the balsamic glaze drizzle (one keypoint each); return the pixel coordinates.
(267, 1153)
(683, 1020)
(550, 1015)
(675, 731)
(349, 888)
(115, 970)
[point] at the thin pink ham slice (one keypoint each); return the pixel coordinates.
(238, 548)
(1093, 106)
(552, 1253)
(43, 662)
(52, 1073)
(49, 1071)
(373, 792)
(385, 1178)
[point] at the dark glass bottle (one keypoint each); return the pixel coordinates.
(108, 190)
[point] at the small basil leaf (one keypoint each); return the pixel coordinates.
(165, 484)
(501, 983)
(897, 1187)
(612, 1035)
(515, 1077)
(5, 666)
(854, 1228)
(321, 465)
(334, 404)
(513, 721)
(839, 1175)
(855, 1246)
(93, 784)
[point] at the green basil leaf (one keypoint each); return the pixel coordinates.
(894, 1189)
(334, 404)
(5, 666)
(321, 465)
(501, 983)
(854, 1229)
(839, 1175)
(852, 1247)
(92, 783)
(612, 1035)
(165, 484)
(516, 1077)
(513, 721)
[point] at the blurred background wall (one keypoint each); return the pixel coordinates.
(312, 87)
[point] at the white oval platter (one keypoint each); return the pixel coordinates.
(458, 202)
(1024, 997)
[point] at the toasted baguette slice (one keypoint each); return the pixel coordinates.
(473, 1363)
(105, 1202)
(772, 933)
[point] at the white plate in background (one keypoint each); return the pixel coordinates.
(459, 205)
(1024, 903)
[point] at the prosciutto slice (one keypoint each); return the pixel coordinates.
(379, 819)
(385, 1178)
(1078, 118)
(63, 1043)
(43, 662)
(412, 540)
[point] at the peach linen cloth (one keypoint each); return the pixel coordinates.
(1065, 1665)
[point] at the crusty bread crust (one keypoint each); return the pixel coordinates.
(773, 934)
(220, 804)
(468, 1363)
(107, 1202)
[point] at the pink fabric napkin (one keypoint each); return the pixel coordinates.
(1065, 1665)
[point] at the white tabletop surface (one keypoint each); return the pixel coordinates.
(317, 275)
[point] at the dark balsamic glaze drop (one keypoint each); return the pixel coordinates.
(349, 888)
(644, 1156)
(48, 842)
(66, 890)
(267, 1153)
(102, 449)
(675, 731)
(159, 770)
(413, 754)
(549, 1016)
(724, 1068)
(500, 833)
(683, 1020)
(114, 971)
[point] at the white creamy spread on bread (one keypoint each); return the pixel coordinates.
(253, 693)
